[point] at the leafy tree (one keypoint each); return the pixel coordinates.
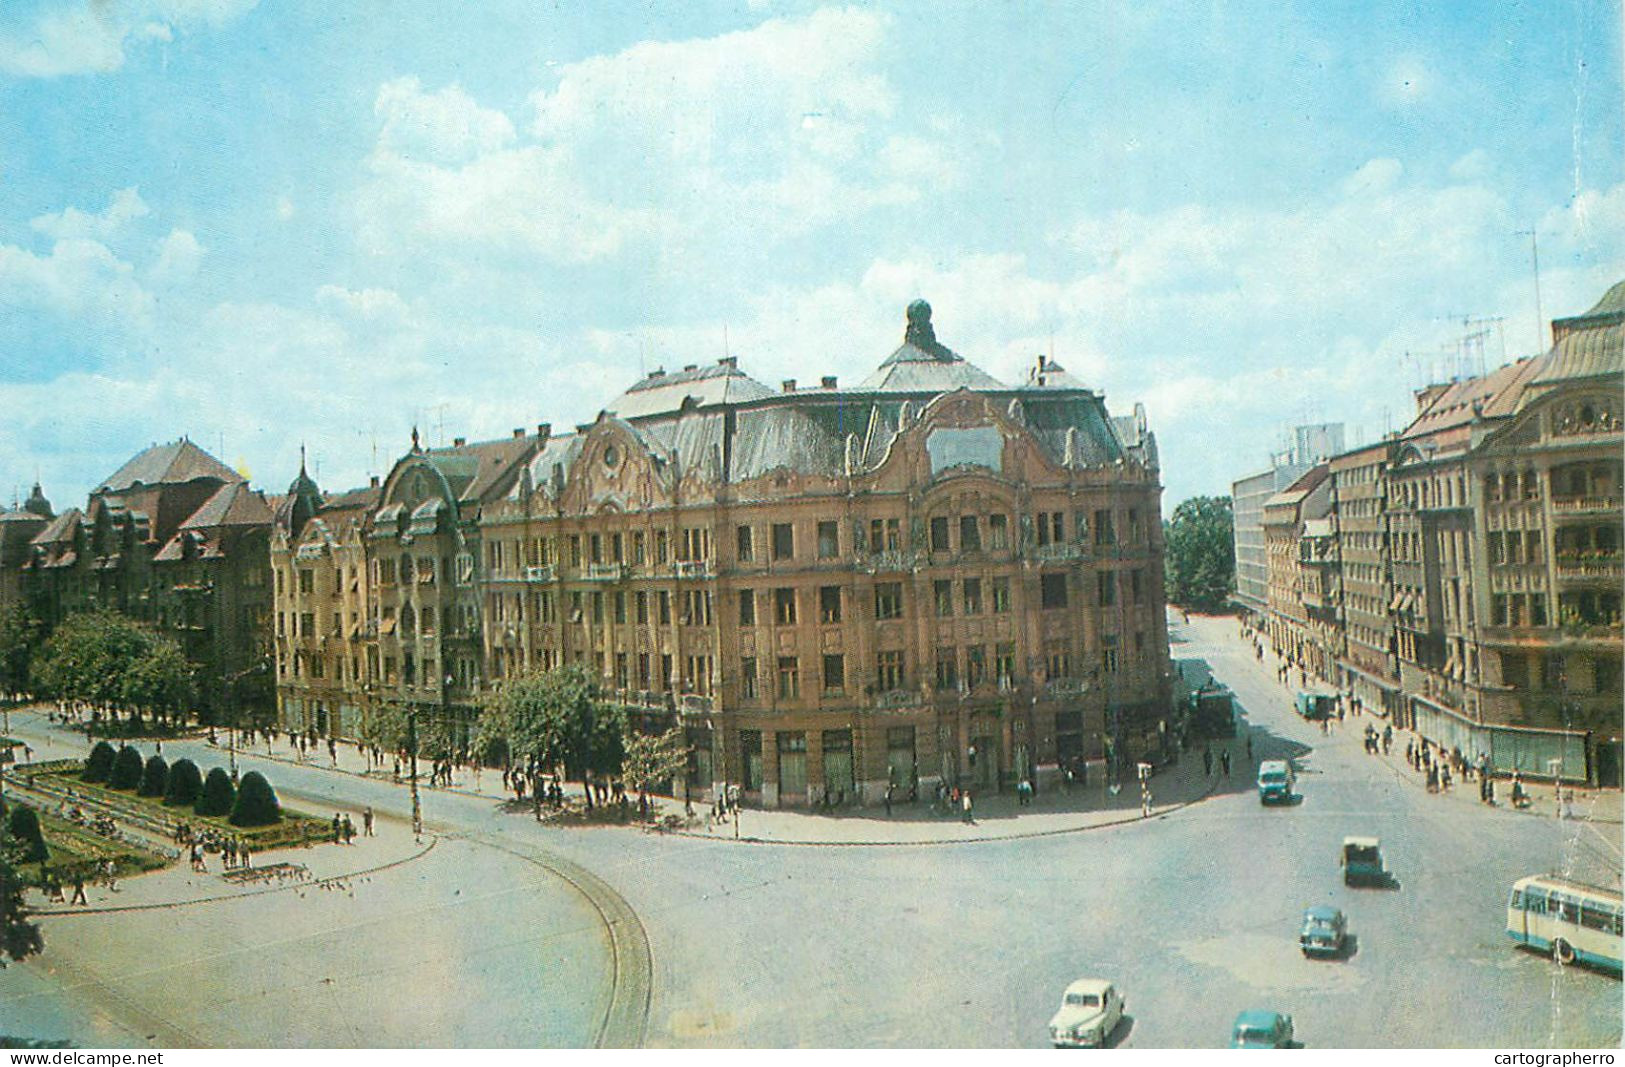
(18, 937)
(1199, 554)
(218, 796)
(654, 758)
(256, 802)
(550, 719)
(185, 783)
(26, 835)
(158, 679)
(106, 659)
(21, 636)
(100, 763)
(127, 768)
(154, 777)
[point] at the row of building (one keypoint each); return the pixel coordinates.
(1463, 576)
(932, 576)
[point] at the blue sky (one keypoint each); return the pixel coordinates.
(261, 225)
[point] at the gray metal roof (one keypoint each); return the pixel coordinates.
(719, 383)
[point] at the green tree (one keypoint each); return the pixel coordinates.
(1199, 554)
(19, 938)
(127, 768)
(552, 719)
(106, 659)
(21, 636)
(219, 796)
(256, 802)
(100, 763)
(185, 783)
(652, 759)
(158, 680)
(26, 835)
(154, 777)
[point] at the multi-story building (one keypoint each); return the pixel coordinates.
(1368, 667)
(18, 528)
(930, 576)
(1311, 444)
(1301, 575)
(176, 539)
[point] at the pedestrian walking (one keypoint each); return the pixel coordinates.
(79, 890)
(243, 857)
(1207, 761)
(338, 829)
(366, 821)
(964, 805)
(1249, 748)
(888, 799)
(1224, 762)
(349, 831)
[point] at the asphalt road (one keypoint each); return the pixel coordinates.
(1194, 915)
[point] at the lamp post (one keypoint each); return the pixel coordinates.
(229, 692)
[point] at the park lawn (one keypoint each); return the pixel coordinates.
(73, 847)
(295, 827)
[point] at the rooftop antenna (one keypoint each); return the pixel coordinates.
(725, 352)
(1540, 317)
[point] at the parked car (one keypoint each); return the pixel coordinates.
(1090, 1010)
(1261, 1029)
(1324, 931)
(1316, 705)
(1362, 861)
(1275, 781)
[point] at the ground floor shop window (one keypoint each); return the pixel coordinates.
(792, 763)
(900, 770)
(750, 745)
(838, 780)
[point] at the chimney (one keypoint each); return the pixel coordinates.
(789, 385)
(459, 442)
(692, 366)
(544, 430)
(828, 381)
(658, 372)
(372, 482)
(731, 362)
(518, 432)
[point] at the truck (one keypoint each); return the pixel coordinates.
(1274, 781)
(1315, 704)
(1212, 711)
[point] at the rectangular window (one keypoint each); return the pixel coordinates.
(1004, 665)
(637, 548)
(784, 606)
(595, 548)
(885, 535)
(665, 671)
(970, 534)
(789, 678)
(746, 548)
(1106, 587)
(947, 668)
(747, 607)
(829, 603)
(834, 673)
(975, 665)
(829, 540)
(1134, 586)
(1001, 596)
(747, 678)
(1497, 548)
(1105, 533)
(1537, 609)
(622, 678)
(1052, 590)
(889, 600)
(1056, 528)
(642, 601)
(662, 548)
(973, 596)
(944, 591)
(889, 671)
(620, 607)
(598, 609)
(784, 541)
(663, 604)
(1133, 527)
(615, 548)
(1058, 661)
(307, 582)
(1108, 660)
(998, 531)
(939, 533)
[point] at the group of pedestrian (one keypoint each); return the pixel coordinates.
(51, 881)
(343, 829)
(1224, 759)
(1378, 741)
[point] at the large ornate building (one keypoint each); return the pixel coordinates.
(929, 576)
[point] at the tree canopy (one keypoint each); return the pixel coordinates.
(21, 636)
(1199, 554)
(104, 658)
(558, 718)
(654, 758)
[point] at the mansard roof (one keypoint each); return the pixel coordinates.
(694, 386)
(234, 504)
(62, 529)
(1587, 346)
(174, 463)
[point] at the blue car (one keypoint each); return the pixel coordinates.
(1324, 931)
(1262, 1029)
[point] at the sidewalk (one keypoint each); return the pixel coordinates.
(1601, 806)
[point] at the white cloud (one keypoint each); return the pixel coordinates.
(79, 279)
(442, 127)
(285, 208)
(70, 223)
(179, 254)
(68, 39)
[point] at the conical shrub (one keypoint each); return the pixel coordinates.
(256, 802)
(127, 768)
(185, 783)
(100, 763)
(25, 830)
(154, 777)
(218, 794)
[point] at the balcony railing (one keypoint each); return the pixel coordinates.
(1586, 503)
(1065, 687)
(897, 698)
(1609, 569)
(1059, 552)
(539, 573)
(604, 572)
(695, 704)
(889, 560)
(691, 568)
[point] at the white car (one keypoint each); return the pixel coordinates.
(1091, 1008)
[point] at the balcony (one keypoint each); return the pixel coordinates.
(695, 704)
(898, 698)
(1585, 504)
(1605, 566)
(691, 568)
(889, 560)
(1058, 552)
(1062, 687)
(539, 573)
(604, 572)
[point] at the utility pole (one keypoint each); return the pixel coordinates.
(1540, 318)
(412, 752)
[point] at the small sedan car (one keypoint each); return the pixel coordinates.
(1325, 931)
(1091, 1008)
(1262, 1029)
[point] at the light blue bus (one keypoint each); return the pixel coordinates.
(1573, 921)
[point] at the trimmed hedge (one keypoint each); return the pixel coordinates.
(127, 768)
(154, 777)
(100, 763)
(25, 830)
(185, 783)
(256, 802)
(218, 796)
